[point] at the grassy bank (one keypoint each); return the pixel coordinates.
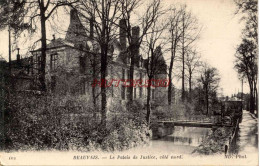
(215, 142)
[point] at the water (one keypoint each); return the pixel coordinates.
(183, 141)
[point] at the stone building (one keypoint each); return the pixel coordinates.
(72, 64)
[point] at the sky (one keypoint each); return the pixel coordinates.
(219, 37)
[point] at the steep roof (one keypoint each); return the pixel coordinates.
(57, 43)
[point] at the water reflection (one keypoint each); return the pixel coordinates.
(192, 136)
(183, 141)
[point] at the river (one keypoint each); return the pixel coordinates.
(183, 141)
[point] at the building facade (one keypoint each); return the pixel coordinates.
(73, 65)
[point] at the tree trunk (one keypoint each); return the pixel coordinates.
(182, 85)
(170, 90)
(103, 86)
(94, 87)
(94, 101)
(104, 52)
(9, 50)
(252, 102)
(251, 99)
(148, 104)
(207, 101)
(173, 49)
(43, 51)
(131, 74)
(256, 98)
(183, 63)
(190, 85)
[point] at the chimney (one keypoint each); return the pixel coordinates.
(122, 25)
(18, 57)
(53, 37)
(91, 29)
(135, 36)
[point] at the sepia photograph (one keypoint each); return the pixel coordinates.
(129, 82)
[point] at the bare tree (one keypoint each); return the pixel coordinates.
(190, 32)
(103, 13)
(250, 15)
(12, 13)
(247, 52)
(246, 65)
(174, 38)
(153, 44)
(209, 80)
(192, 64)
(151, 14)
(30, 12)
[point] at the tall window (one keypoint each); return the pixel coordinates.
(82, 64)
(135, 93)
(128, 74)
(53, 61)
(123, 92)
(140, 92)
(83, 91)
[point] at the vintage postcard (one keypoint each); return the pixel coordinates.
(129, 82)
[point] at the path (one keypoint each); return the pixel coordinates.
(247, 136)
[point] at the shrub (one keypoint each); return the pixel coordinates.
(67, 122)
(176, 111)
(215, 142)
(47, 122)
(125, 134)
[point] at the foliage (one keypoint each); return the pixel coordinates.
(46, 122)
(208, 85)
(38, 122)
(246, 61)
(215, 142)
(180, 110)
(125, 134)
(11, 14)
